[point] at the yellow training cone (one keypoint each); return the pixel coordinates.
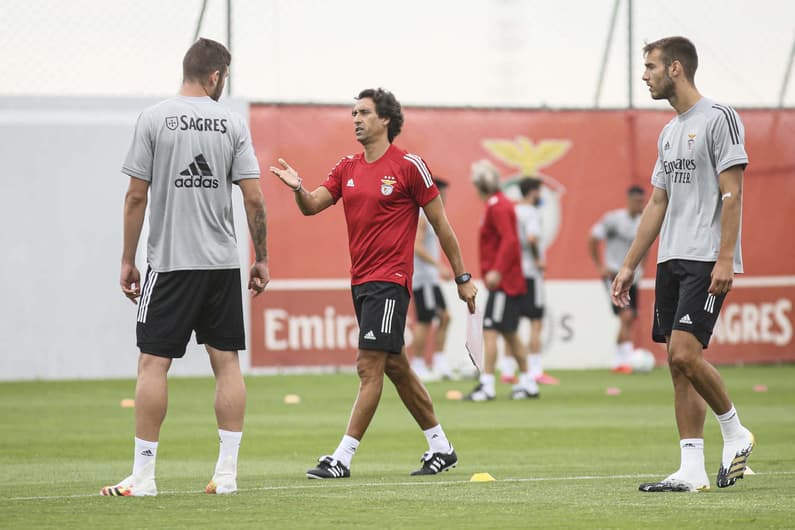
(748, 471)
(482, 477)
(454, 395)
(292, 399)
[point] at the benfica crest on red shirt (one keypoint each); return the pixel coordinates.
(387, 185)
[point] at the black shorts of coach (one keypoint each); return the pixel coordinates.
(681, 300)
(502, 312)
(429, 302)
(174, 304)
(381, 309)
(532, 305)
(633, 297)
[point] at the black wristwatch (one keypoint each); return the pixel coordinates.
(463, 278)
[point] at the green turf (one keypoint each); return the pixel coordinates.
(572, 459)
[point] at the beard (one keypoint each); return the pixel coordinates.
(666, 89)
(219, 90)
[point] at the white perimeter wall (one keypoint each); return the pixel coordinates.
(62, 314)
(579, 329)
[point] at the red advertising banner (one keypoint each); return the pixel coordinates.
(587, 159)
(306, 324)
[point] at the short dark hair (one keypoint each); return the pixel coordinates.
(386, 106)
(440, 182)
(635, 190)
(528, 184)
(676, 49)
(203, 58)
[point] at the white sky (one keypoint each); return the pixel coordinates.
(527, 53)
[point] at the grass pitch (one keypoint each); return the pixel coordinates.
(572, 459)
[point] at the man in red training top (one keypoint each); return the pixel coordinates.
(501, 266)
(382, 191)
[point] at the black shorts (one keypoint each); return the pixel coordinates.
(502, 312)
(682, 301)
(532, 305)
(633, 297)
(429, 302)
(381, 309)
(173, 304)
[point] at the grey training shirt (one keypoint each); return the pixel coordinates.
(426, 273)
(693, 149)
(528, 223)
(617, 229)
(191, 150)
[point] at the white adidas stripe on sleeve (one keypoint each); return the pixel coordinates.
(422, 168)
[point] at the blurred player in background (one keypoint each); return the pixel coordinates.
(529, 227)
(696, 208)
(186, 154)
(501, 266)
(382, 190)
(429, 301)
(617, 228)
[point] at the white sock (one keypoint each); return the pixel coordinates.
(507, 365)
(437, 440)
(228, 448)
(534, 364)
(691, 467)
(440, 362)
(419, 366)
(692, 457)
(487, 380)
(528, 382)
(624, 352)
(145, 456)
(730, 425)
(345, 450)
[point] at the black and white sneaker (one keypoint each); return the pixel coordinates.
(677, 483)
(520, 392)
(433, 463)
(665, 486)
(479, 394)
(735, 460)
(328, 467)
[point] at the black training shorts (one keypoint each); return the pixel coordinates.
(174, 304)
(381, 309)
(532, 305)
(429, 302)
(681, 300)
(502, 312)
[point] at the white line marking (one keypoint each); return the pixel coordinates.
(342, 485)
